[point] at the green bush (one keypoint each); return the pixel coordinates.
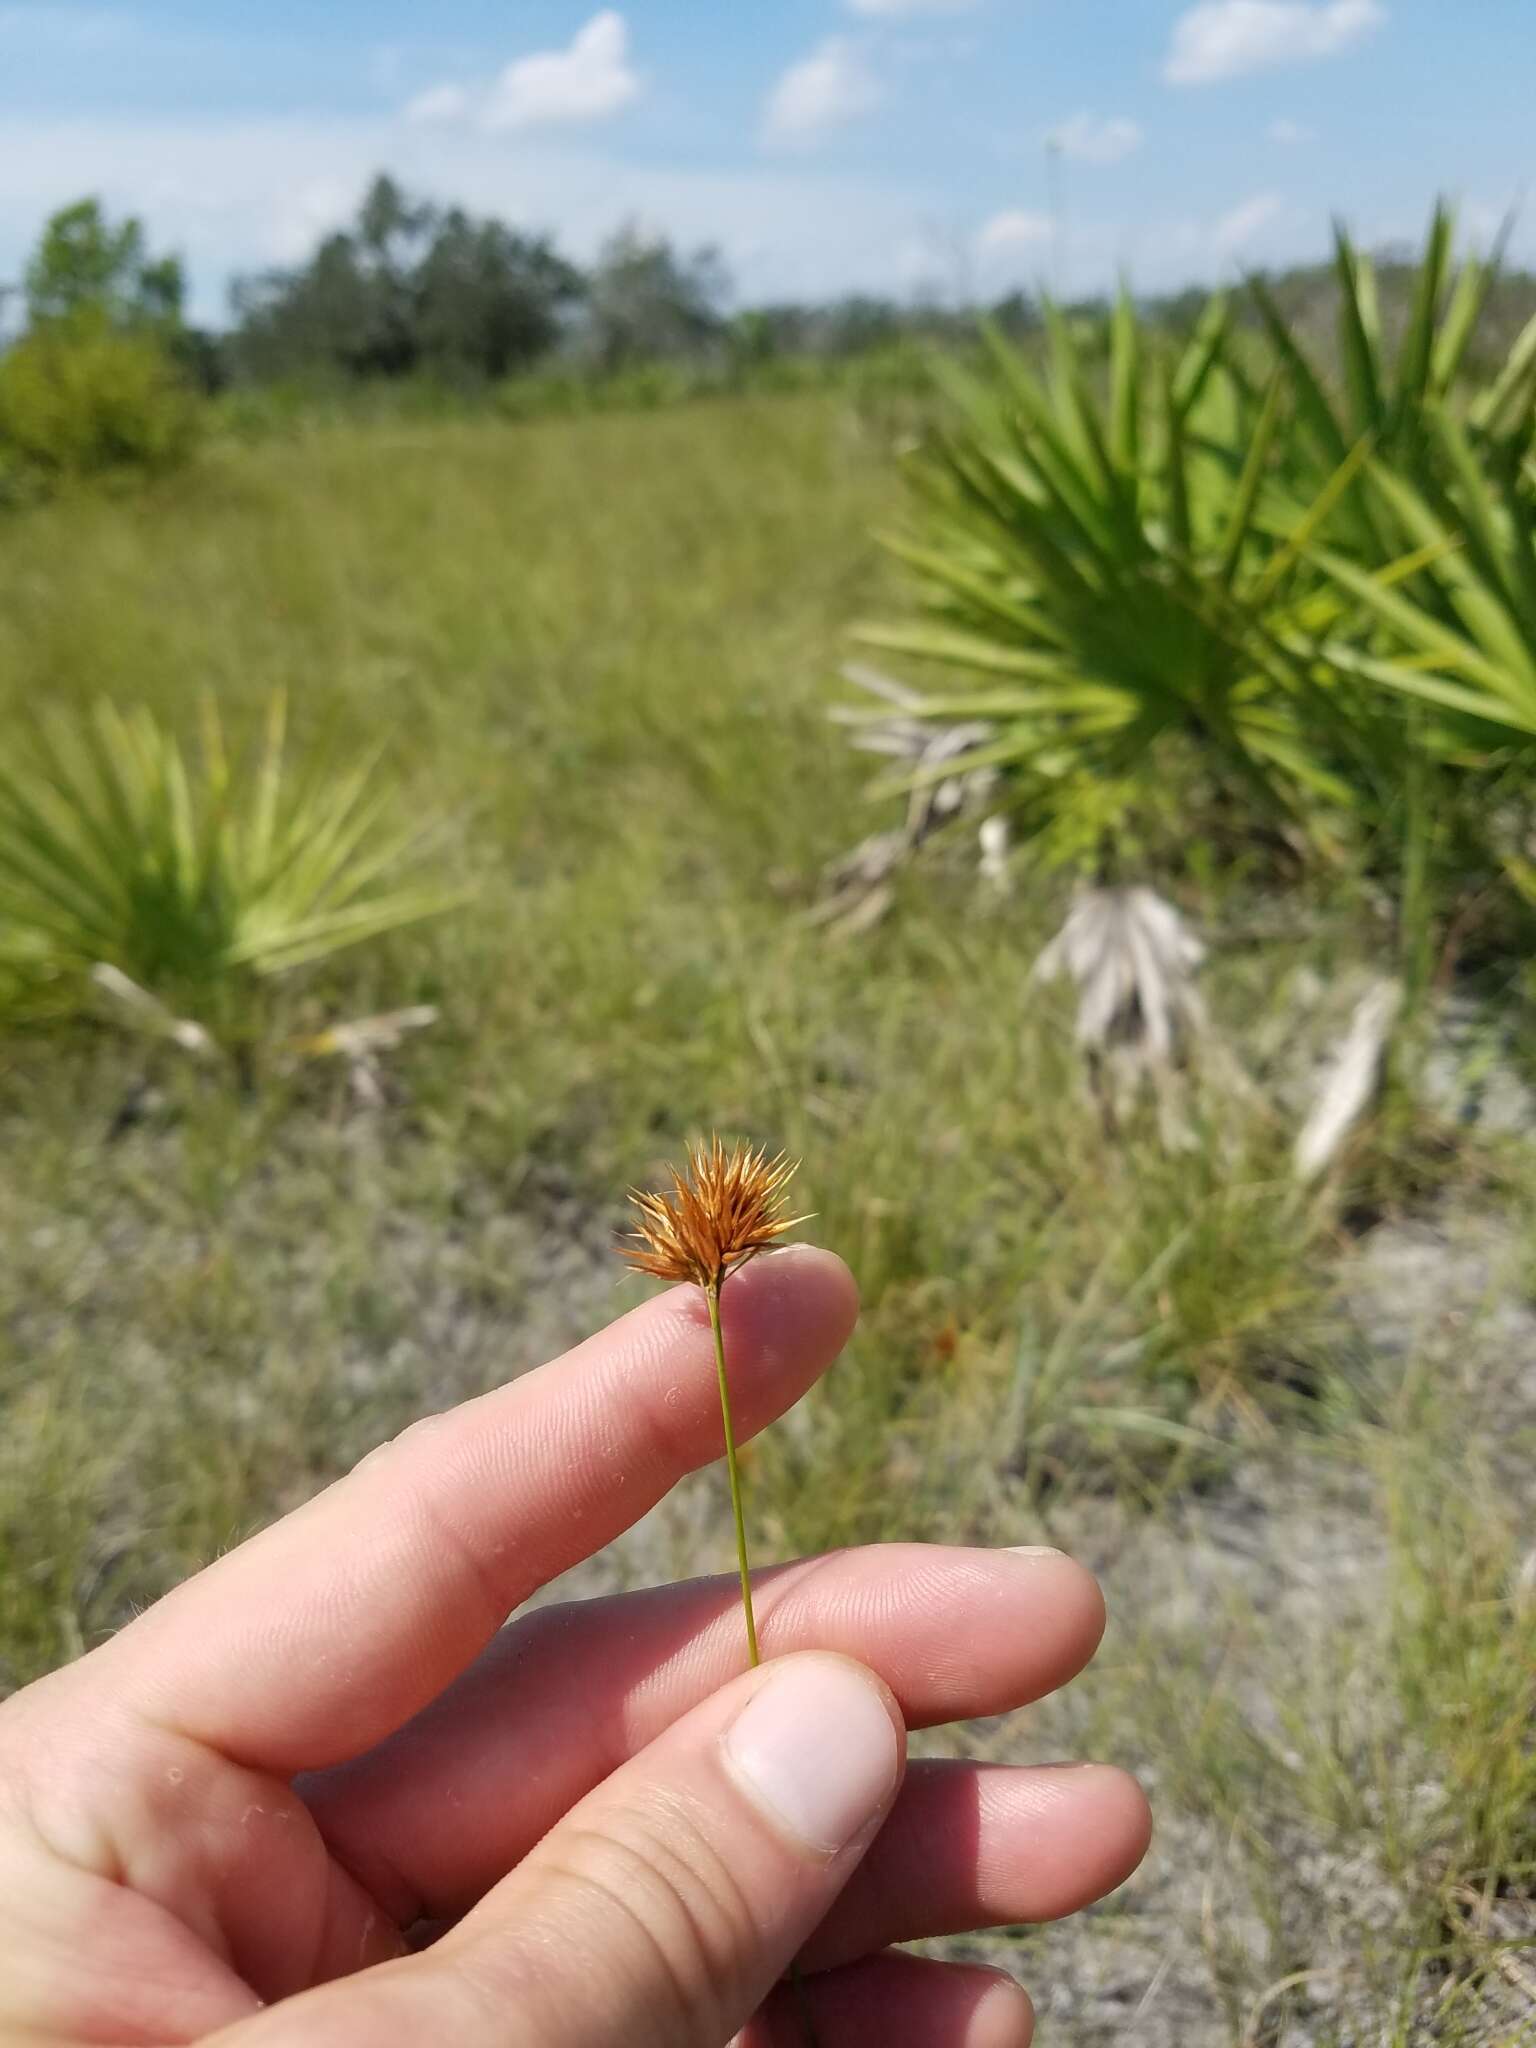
(194, 874)
(1098, 552)
(81, 398)
(1212, 594)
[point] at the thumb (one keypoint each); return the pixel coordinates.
(662, 1909)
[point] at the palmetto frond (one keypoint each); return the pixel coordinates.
(1100, 555)
(186, 872)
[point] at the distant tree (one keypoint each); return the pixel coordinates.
(758, 333)
(392, 235)
(489, 300)
(861, 322)
(392, 227)
(755, 336)
(1016, 315)
(103, 376)
(162, 292)
(84, 267)
(647, 302)
(407, 288)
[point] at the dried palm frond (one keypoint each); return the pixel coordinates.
(859, 881)
(147, 1013)
(996, 840)
(1132, 959)
(1350, 1081)
(360, 1043)
(362, 1037)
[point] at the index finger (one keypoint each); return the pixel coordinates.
(321, 1636)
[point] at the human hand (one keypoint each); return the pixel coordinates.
(234, 1820)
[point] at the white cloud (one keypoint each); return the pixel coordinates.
(1235, 230)
(831, 86)
(1224, 38)
(586, 82)
(890, 10)
(1291, 133)
(1091, 141)
(1007, 233)
(438, 103)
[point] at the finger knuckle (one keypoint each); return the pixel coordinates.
(676, 1912)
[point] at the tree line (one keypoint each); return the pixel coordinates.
(105, 367)
(413, 289)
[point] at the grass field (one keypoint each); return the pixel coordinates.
(1294, 1432)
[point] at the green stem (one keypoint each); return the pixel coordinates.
(733, 1470)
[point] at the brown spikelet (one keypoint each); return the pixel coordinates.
(721, 1211)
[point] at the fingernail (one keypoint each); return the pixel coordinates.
(815, 1751)
(1033, 1550)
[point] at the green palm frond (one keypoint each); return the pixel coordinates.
(1105, 552)
(190, 872)
(1459, 633)
(1391, 393)
(1232, 571)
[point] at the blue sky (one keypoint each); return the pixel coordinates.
(824, 145)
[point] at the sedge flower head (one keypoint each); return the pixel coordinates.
(724, 1208)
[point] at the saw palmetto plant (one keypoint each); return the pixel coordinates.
(1146, 557)
(1448, 654)
(1100, 555)
(1212, 589)
(1439, 768)
(194, 874)
(1459, 636)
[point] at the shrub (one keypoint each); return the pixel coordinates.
(1209, 593)
(1439, 665)
(1100, 552)
(80, 398)
(192, 875)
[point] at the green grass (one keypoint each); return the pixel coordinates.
(602, 649)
